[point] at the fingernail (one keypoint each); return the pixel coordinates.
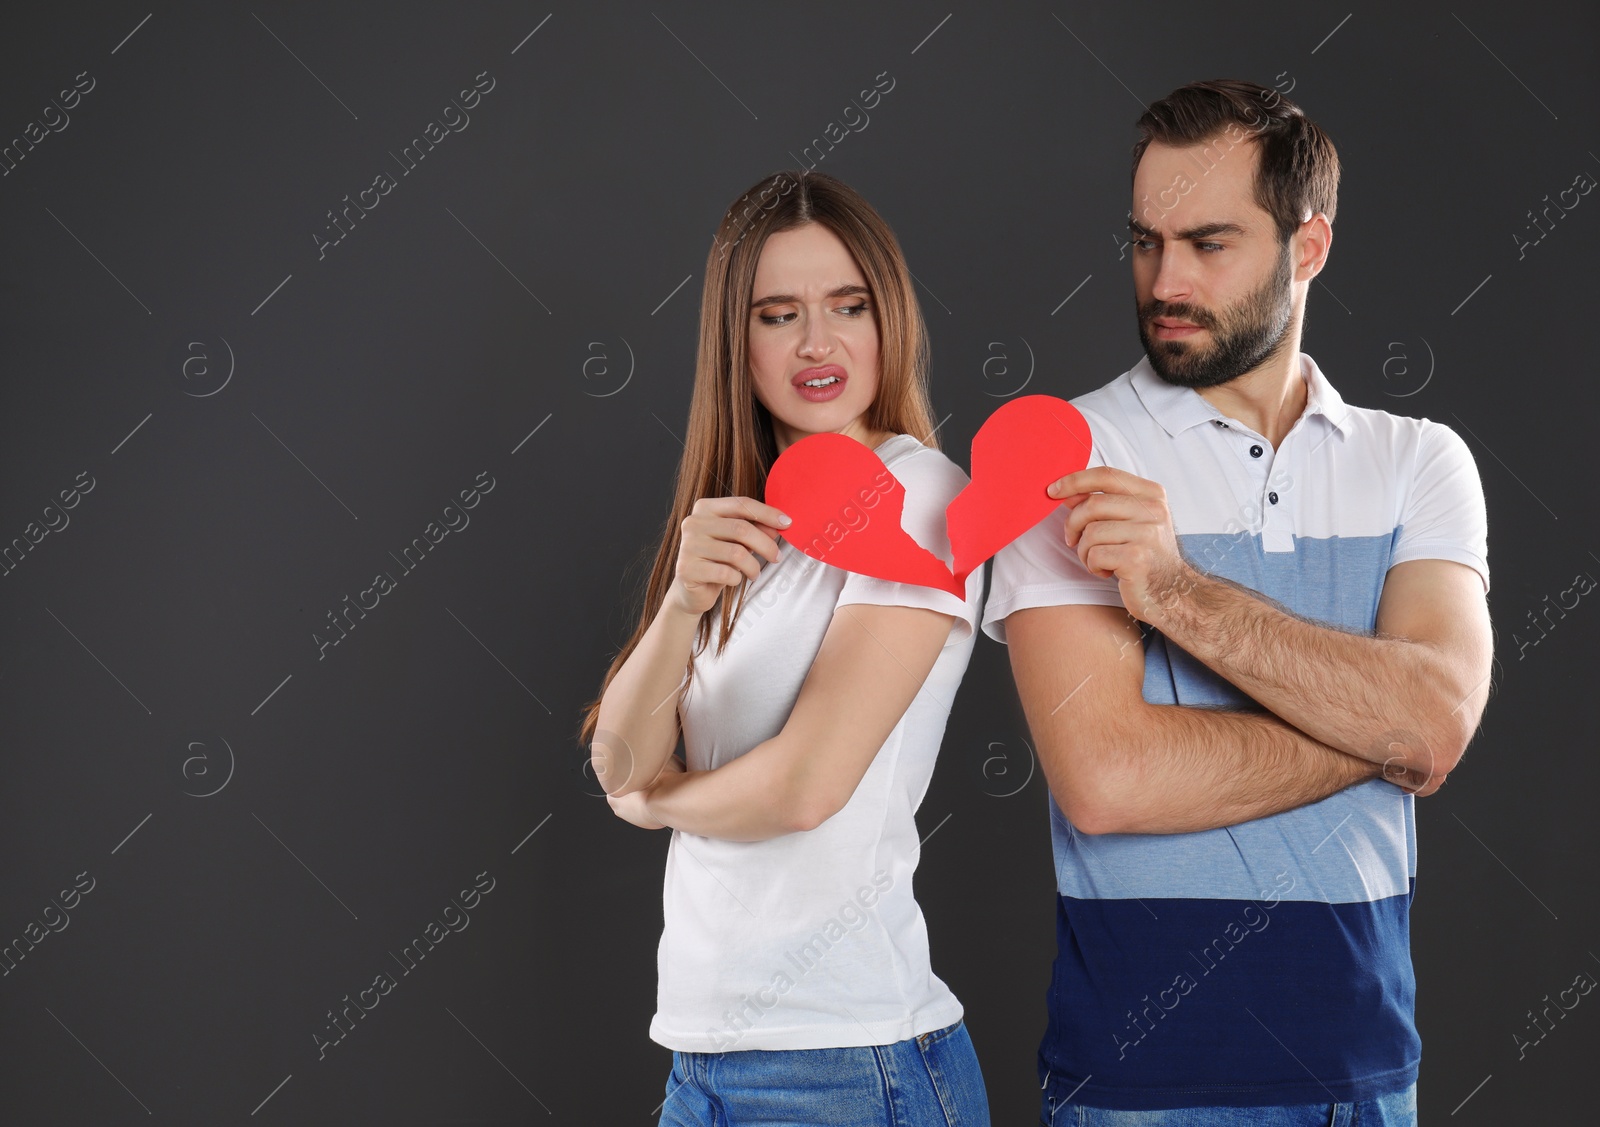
(784, 520)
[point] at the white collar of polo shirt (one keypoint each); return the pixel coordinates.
(1179, 408)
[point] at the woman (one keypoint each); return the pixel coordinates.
(794, 981)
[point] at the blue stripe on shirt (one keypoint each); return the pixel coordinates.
(1294, 1001)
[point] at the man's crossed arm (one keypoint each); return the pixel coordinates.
(1401, 704)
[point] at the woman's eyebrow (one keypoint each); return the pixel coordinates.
(838, 291)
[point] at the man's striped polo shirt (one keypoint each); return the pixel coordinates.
(1267, 962)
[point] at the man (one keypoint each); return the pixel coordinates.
(1253, 632)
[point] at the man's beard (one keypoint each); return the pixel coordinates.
(1244, 336)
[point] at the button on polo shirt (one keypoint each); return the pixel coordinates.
(1262, 509)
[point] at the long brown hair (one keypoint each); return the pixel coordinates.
(730, 445)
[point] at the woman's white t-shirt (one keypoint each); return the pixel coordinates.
(813, 939)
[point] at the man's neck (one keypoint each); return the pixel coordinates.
(1269, 399)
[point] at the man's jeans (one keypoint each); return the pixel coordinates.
(1399, 1109)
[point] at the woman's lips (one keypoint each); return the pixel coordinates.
(824, 392)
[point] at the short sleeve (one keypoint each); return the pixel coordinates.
(1037, 569)
(931, 482)
(1444, 517)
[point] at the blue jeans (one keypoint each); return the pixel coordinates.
(1398, 1109)
(925, 1081)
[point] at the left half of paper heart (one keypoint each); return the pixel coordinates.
(846, 506)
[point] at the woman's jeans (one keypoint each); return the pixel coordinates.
(931, 1080)
(1396, 1110)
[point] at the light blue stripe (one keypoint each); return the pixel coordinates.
(1355, 846)
(1352, 847)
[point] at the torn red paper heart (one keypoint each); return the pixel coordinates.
(846, 505)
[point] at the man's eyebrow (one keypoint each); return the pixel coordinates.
(1203, 231)
(837, 291)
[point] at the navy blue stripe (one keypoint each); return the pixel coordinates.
(1230, 1002)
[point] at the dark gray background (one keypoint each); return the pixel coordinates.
(525, 303)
